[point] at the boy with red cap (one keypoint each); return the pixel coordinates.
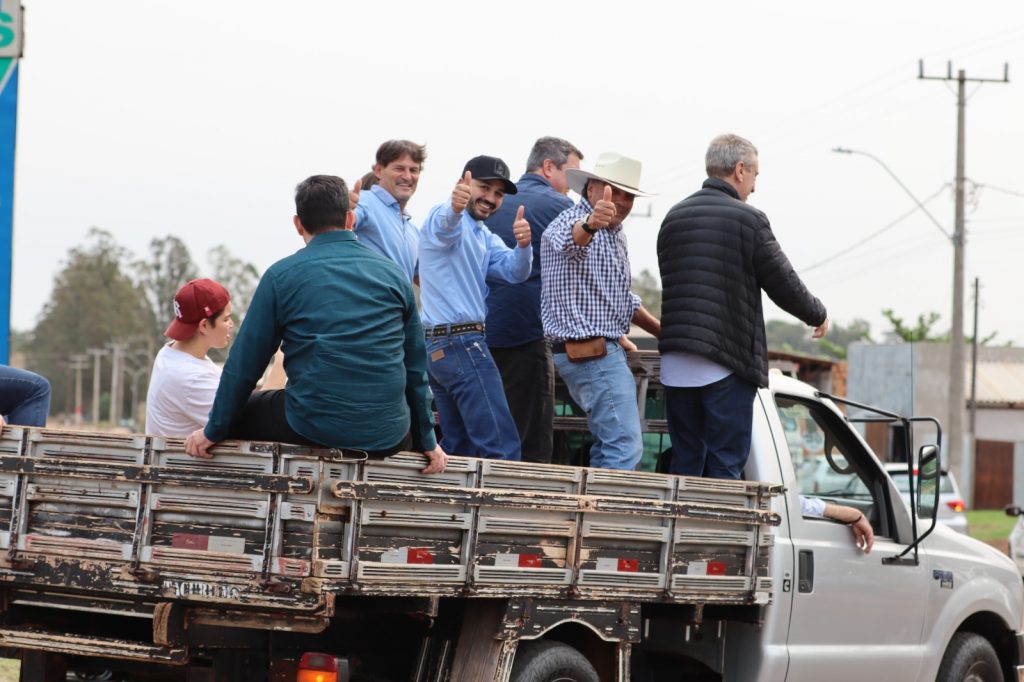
(184, 379)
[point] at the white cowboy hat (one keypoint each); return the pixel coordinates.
(615, 169)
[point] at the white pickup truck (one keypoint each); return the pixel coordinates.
(125, 559)
(949, 609)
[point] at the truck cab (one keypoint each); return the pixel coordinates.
(945, 609)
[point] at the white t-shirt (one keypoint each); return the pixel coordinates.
(181, 393)
(686, 370)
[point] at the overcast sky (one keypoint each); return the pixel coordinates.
(197, 119)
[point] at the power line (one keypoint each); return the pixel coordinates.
(1001, 190)
(874, 234)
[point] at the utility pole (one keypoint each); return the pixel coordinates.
(78, 364)
(116, 350)
(96, 354)
(972, 435)
(962, 463)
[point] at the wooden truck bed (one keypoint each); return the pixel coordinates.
(94, 521)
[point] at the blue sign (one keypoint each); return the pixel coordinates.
(8, 130)
(10, 51)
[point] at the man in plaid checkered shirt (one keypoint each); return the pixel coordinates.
(587, 306)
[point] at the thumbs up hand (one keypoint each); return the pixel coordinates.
(521, 229)
(461, 194)
(604, 211)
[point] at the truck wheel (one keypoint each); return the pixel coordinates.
(970, 658)
(547, 661)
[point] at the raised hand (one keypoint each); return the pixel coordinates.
(461, 195)
(353, 193)
(521, 228)
(604, 211)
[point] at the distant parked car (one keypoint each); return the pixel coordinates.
(951, 503)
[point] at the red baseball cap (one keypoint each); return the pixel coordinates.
(194, 302)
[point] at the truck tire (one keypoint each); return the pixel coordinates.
(547, 661)
(970, 658)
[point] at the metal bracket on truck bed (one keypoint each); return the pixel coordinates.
(612, 621)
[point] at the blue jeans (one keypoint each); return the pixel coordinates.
(470, 399)
(710, 427)
(24, 397)
(606, 389)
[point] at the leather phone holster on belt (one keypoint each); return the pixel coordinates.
(586, 349)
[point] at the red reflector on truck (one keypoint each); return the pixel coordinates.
(419, 555)
(529, 561)
(716, 568)
(629, 565)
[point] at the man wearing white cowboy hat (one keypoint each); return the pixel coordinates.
(587, 306)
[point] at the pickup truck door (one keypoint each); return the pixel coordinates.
(852, 617)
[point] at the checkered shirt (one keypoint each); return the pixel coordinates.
(584, 289)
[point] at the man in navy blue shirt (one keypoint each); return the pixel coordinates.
(515, 334)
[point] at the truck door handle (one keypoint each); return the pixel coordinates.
(805, 575)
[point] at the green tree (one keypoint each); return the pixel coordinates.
(648, 288)
(238, 277)
(795, 337)
(93, 302)
(924, 330)
(169, 266)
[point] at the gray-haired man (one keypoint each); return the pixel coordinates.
(716, 254)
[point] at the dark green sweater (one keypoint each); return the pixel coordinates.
(353, 344)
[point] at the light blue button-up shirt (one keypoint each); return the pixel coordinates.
(384, 227)
(457, 254)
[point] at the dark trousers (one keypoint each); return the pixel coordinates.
(528, 377)
(264, 419)
(710, 427)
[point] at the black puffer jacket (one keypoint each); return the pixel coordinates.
(716, 254)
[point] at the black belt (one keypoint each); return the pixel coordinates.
(454, 329)
(559, 346)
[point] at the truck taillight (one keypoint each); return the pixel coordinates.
(956, 505)
(315, 667)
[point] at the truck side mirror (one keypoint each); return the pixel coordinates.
(928, 474)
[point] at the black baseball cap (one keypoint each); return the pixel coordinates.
(490, 168)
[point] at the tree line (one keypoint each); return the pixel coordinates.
(108, 310)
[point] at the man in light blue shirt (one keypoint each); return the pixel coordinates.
(457, 254)
(381, 220)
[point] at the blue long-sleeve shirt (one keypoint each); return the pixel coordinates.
(513, 310)
(382, 225)
(353, 345)
(457, 255)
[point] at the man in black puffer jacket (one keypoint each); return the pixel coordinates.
(716, 253)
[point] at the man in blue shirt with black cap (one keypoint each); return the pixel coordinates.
(515, 334)
(457, 254)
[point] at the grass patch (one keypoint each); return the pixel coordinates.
(989, 525)
(9, 668)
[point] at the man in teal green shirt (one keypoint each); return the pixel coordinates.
(347, 322)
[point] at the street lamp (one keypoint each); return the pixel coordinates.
(844, 150)
(954, 424)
